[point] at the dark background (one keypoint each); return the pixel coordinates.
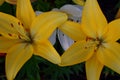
(109, 8)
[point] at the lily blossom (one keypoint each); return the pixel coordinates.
(53, 36)
(96, 42)
(27, 35)
(74, 13)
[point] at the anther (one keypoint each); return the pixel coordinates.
(19, 36)
(9, 34)
(22, 24)
(18, 23)
(12, 25)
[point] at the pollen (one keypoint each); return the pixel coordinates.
(98, 42)
(18, 23)
(88, 38)
(12, 25)
(19, 37)
(9, 34)
(22, 24)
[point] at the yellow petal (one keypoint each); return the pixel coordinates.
(1, 2)
(77, 53)
(15, 1)
(73, 30)
(79, 2)
(93, 21)
(113, 32)
(7, 43)
(46, 50)
(109, 55)
(10, 26)
(118, 14)
(17, 56)
(11, 1)
(25, 12)
(93, 68)
(44, 25)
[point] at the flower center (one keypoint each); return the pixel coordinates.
(30, 41)
(98, 41)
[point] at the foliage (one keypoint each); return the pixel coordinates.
(118, 4)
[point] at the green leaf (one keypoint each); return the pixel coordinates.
(7, 8)
(118, 4)
(30, 70)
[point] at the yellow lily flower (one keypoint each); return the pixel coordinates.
(79, 2)
(27, 35)
(95, 42)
